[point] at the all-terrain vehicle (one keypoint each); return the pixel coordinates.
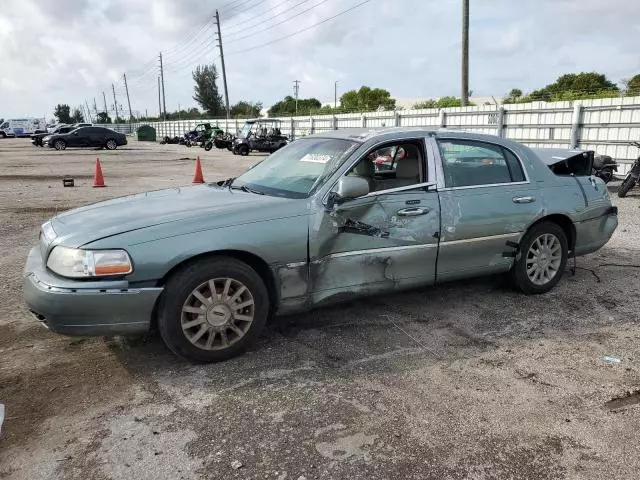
(201, 135)
(260, 134)
(222, 141)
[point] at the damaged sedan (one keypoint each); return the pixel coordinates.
(319, 221)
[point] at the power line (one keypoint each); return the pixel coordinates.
(233, 25)
(301, 30)
(255, 32)
(187, 42)
(261, 20)
(242, 2)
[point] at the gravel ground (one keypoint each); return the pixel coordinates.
(467, 380)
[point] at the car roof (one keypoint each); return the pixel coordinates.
(365, 134)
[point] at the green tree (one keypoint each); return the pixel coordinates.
(103, 117)
(633, 85)
(77, 116)
(246, 109)
(442, 102)
(206, 90)
(62, 113)
(576, 85)
(367, 99)
(287, 106)
(514, 96)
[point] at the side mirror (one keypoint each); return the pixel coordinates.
(348, 188)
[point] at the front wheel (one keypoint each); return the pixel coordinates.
(626, 185)
(243, 150)
(213, 310)
(111, 144)
(541, 259)
(208, 146)
(59, 145)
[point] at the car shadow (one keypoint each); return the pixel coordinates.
(392, 332)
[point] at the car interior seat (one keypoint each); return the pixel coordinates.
(408, 168)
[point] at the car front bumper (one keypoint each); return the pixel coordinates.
(72, 307)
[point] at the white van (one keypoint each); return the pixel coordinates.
(22, 127)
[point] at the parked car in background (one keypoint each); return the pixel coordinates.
(313, 224)
(36, 138)
(86, 137)
(21, 127)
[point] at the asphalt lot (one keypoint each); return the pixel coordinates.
(467, 380)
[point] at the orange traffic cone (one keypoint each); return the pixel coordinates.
(198, 178)
(98, 179)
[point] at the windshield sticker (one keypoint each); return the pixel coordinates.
(315, 158)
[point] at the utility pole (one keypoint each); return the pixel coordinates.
(88, 110)
(335, 95)
(159, 102)
(465, 53)
(224, 70)
(296, 90)
(164, 99)
(104, 97)
(126, 87)
(115, 103)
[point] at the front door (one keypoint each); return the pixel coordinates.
(385, 240)
(487, 201)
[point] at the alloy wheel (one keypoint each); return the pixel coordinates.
(217, 313)
(544, 259)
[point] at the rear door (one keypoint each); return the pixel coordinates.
(487, 201)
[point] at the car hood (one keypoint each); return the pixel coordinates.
(182, 209)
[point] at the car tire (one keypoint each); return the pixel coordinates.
(541, 259)
(222, 330)
(243, 150)
(3, 135)
(111, 144)
(626, 185)
(59, 144)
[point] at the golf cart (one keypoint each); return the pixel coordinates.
(259, 134)
(221, 141)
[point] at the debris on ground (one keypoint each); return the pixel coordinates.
(611, 360)
(236, 465)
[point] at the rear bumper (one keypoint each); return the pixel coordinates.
(79, 308)
(591, 235)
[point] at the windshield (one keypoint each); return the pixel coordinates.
(296, 170)
(246, 129)
(5, 125)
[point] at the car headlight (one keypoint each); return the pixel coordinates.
(46, 139)
(78, 263)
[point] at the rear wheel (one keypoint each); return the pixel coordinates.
(59, 144)
(541, 260)
(243, 150)
(626, 185)
(213, 310)
(111, 144)
(208, 146)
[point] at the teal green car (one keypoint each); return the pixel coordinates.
(327, 218)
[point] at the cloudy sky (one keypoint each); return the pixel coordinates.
(69, 51)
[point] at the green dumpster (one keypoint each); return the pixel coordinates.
(146, 133)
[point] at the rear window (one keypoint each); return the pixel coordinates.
(470, 163)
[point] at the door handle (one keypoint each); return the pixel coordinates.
(413, 211)
(524, 199)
